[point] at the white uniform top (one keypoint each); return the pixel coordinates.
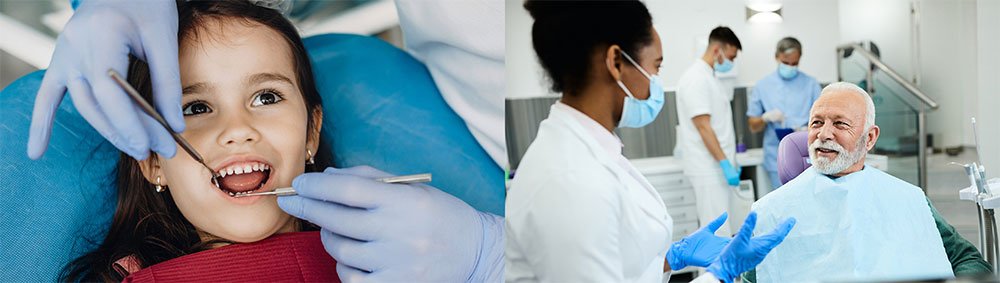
(578, 211)
(700, 92)
(462, 44)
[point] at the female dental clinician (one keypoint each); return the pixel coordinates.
(577, 210)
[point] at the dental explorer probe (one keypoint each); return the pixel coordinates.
(408, 179)
(156, 116)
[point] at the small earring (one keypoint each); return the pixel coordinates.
(310, 161)
(159, 188)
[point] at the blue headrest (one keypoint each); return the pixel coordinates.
(381, 108)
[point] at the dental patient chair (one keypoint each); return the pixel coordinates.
(793, 156)
(60, 206)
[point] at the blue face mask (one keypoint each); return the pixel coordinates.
(725, 66)
(787, 72)
(638, 113)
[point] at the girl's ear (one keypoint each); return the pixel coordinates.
(151, 170)
(312, 137)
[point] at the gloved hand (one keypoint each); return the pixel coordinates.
(773, 116)
(745, 253)
(99, 37)
(382, 232)
(731, 172)
(700, 249)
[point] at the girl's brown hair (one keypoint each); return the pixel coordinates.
(147, 224)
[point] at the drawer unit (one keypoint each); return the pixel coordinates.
(671, 181)
(683, 213)
(676, 198)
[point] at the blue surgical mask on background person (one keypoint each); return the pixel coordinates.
(725, 66)
(787, 72)
(638, 113)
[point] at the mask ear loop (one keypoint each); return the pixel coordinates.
(643, 71)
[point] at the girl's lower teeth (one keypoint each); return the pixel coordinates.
(240, 193)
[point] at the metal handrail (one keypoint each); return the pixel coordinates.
(916, 92)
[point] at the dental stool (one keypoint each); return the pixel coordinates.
(380, 108)
(793, 156)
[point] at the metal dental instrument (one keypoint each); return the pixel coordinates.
(408, 179)
(156, 116)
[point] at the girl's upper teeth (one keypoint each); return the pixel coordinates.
(243, 168)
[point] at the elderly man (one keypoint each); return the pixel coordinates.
(855, 222)
(781, 100)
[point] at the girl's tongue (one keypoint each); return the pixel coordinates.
(243, 182)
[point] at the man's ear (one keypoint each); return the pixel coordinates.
(151, 170)
(613, 61)
(872, 137)
(312, 137)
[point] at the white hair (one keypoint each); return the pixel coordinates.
(869, 104)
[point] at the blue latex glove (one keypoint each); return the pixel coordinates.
(731, 173)
(745, 253)
(701, 248)
(382, 232)
(99, 37)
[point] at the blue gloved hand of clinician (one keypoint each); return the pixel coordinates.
(731, 173)
(701, 248)
(745, 253)
(100, 36)
(382, 232)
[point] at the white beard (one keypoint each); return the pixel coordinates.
(843, 160)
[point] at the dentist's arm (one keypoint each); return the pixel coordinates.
(100, 36)
(703, 123)
(462, 44)
(382, 232)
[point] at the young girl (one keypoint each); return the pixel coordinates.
(252, 111)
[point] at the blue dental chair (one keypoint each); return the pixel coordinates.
(59, 207)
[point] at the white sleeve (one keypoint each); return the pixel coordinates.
(462, 44)
(571, 230)
(694, 96)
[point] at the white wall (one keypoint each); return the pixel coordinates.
(680, 23)
(947, 54)
(949, 67)
(988, 42)
(683, 25)
(524, 75)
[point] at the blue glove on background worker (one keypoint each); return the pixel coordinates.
(701, 248)
(731, 173)
(382, 232)
(745, 253)
(84, 52)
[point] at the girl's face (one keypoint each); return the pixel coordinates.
(244, 113)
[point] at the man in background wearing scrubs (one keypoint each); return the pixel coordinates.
(781, 100)
(706, 141)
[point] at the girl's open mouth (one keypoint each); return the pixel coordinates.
(243, 177)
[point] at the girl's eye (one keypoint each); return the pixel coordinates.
(196, 108)
(266, 97)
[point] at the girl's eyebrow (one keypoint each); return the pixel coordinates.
(195, 88)
(252, 80)
(266, 77)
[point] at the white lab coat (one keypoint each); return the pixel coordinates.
(577, 210)
(699, 92)
(462, 44)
